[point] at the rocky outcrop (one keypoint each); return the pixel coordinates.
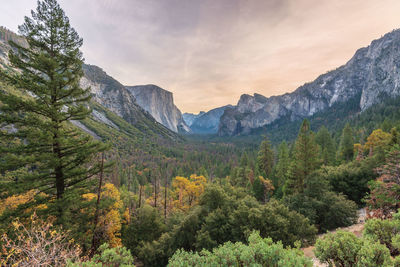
(372, 74)
(208, 122)
(111, 94)
(160, 104)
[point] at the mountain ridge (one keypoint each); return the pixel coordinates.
(108, 94)
(207, 122)
(373, 72)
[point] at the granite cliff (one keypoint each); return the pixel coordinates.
(160, 104)
(371, 74)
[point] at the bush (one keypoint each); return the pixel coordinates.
(344, 249)
(107, 256)
(385, 232)
(259, 252)
(38, 245)
(324, 208)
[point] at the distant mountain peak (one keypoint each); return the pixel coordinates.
(372, 73)
(205, 122)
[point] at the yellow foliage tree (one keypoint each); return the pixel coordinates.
(268, 187)
(377, 138)
(110, 219)
(186, 191)
(14, 201)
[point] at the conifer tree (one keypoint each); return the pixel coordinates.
(325, 141)
(346, 148)
(305, 160)
(265, 158)
(45, 98)
(244, 160)
(395, 137)
(282, 167)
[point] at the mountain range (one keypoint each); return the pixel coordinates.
(205, 122)
(372, 74)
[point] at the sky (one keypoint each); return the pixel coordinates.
(209, 52)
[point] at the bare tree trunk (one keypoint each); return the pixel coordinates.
(129, 193)
(165, 196)
(155, 191)
(140, 195)
(96, 214)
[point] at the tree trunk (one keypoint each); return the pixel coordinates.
(96, 214)
(155, 191)
(140, 195)
(58, 171)
(165, 197)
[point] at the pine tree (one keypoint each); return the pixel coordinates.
(395, 137)
(244, 160)
(265, 158)
(325, 141)
(305, 160)
(346, 148)
(45, 98)
(282, 167)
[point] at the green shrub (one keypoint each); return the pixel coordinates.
(119, 256)
(344, 249)
(259, 252)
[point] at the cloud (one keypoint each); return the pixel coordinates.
(210, 52)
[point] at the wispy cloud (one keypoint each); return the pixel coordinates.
(210, 52)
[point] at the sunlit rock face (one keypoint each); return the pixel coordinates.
(372, 73)
(160, 104)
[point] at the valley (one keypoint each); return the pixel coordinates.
(94, 172)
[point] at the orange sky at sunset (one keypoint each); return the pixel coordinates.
(210, 52)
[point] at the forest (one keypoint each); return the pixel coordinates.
(138, 196)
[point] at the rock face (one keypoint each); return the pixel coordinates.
(189, 118)
(372, 73)
(111, 94)
(160, 104)
(105, 90)
(208, 122)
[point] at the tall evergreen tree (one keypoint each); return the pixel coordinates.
(47, 96)
(265, 158)
(325, 141)
(282, 167)
(346, 148)
(244, 160)
(305, 160)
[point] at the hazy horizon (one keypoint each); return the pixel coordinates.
(209, 52)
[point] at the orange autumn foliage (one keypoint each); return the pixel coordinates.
(186, 191)
(110, 220)
(377, 138)
(14, 201)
